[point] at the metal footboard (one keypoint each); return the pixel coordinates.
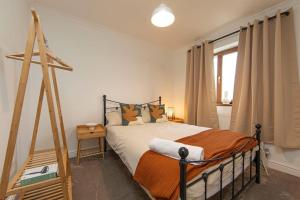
(183, 152)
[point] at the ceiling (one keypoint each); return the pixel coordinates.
(194, 18)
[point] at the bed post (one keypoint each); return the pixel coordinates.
(257, 159)
(104, 119)
(183, 152)
(159, 99)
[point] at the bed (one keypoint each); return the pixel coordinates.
(131, 142)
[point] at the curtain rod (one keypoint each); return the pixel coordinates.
(244, 28)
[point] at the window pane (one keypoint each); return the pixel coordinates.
(228, 76)
(216, 71)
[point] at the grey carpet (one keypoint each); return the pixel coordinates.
(109, 179)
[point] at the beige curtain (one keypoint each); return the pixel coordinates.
(267, 87)
(200, 97)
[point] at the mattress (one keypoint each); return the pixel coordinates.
(131, 142)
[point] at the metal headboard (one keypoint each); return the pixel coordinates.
(105, 108)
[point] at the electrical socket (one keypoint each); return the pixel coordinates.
(267, 152)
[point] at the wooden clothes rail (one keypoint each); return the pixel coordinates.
(61, 186)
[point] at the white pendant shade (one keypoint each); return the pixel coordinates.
(162, 16)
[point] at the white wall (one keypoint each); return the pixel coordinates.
(280, 159)
(105, 62)
(13, 24)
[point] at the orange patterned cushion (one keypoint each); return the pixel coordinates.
(156, 112)
(130, 112)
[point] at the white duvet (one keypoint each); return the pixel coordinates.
(131, 142)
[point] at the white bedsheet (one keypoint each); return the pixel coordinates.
(131, 142)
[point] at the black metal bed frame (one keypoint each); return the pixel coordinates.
(183, 152)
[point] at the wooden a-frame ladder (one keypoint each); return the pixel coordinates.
(55, 188)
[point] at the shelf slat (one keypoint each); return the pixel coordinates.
(48, 189)
(90, 152)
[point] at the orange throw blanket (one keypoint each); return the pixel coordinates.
(160, 174)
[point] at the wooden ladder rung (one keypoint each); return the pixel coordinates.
(39, 63)
(22, 54)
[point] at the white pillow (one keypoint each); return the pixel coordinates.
(139, 121)
(163, 119)
(146, 114)
(114, 118)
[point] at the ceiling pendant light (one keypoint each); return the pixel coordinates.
(162, 16)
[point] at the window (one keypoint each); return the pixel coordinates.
(224, 69)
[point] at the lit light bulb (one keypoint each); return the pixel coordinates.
(162, 16)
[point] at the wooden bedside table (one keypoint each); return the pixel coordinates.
(177, 120)
(84, 133)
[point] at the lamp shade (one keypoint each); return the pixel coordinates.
(162, 16)
(170, 112)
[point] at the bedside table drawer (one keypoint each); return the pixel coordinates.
(87, 135)
(84, 132)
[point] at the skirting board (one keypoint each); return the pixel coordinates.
(72, 153)
(283, 168)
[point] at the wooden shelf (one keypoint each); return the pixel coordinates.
(177, 120)
(51, 192)
(43, 188)
(90, 152)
